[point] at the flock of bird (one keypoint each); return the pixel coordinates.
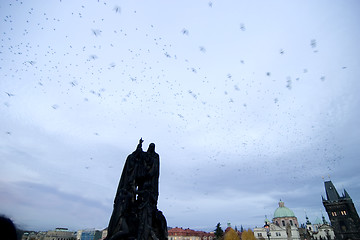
(135, 70)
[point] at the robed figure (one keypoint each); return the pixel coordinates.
(135, 214)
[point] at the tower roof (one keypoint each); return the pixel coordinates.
(318, 221)
(307, 220)
(283, 211)
(331, 192)
(346, 195)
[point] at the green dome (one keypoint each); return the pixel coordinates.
(317, 221)
(283, 211)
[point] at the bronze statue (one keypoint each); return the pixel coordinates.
(135, 214)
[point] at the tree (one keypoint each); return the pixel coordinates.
(218, 232)
(231, 235)
(241, 228)
(248, 235)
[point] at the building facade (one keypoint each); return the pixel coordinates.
(342, 213)
(277, 232)
(89, 234)
(59, 234)
(33, 235)
(284, 226)
(188, 234)
(319, 230)
(284, 216)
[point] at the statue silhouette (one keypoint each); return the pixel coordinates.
(135, 214)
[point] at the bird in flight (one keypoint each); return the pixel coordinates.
(96, 32)
(117, 9)
(185, 31)
(10, 94)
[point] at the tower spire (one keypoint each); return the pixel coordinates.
(331, 192)
(323, 219)
(342, 213)
(346, 194)
(307, 219)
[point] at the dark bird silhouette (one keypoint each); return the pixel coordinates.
(313, 43)
(96, 32)
(242, 27)
(117, 9)
(185, 31)
(73, 83)
(31, 62)
(93, 57)
(10, 94)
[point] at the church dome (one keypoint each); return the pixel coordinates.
(317, 221)
(283, 211)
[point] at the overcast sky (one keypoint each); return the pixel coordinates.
(248, 102)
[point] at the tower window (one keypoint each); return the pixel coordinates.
(333, 214)
(343, 213)
(283, 223)
(291, 222)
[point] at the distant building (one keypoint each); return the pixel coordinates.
(188, 234)
(319, 230)
(33, 235)
(98, 235)
(284, 226)
(277, 232)
(59, 234)
(284, 216)
(89, 234)
(342, 213)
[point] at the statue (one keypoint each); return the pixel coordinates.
(135, 214)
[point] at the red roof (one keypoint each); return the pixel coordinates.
(187, 232)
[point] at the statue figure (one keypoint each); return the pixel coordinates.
(288, 232)
(135, 214)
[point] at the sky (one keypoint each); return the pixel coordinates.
(248, 102)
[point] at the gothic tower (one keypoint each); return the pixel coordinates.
(342, 213)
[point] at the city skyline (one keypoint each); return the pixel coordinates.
(302, 222)
(247, 103)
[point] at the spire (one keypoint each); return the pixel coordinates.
(266, 220)
(307, 220)
(346, 195)
(331, 192)
(323, 219)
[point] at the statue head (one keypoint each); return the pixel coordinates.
(151, 148)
